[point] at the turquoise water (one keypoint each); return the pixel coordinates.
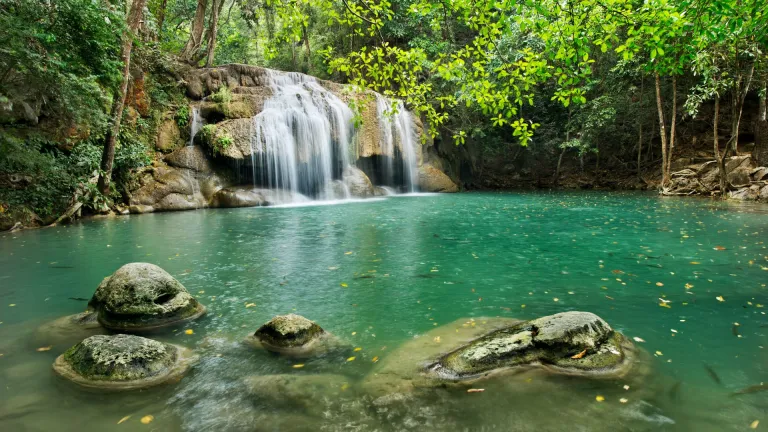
(384, 273)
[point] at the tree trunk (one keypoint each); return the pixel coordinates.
(309, 50)
(672, 128)
(662, 132)
(161, 17)
(720, 158)
(559, 163)
(118, 103)
(213, 28)
(195, 40)
(640, 128)
(761, 128)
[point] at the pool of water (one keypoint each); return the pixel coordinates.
(390, 277)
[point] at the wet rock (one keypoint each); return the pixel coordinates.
(383, 191)
(759, 173)
(69, 329)
(237, 197)
(168, 136)
(358, 184)
(432, 179)
(291, 334)
(745, 193)
(578, 343)
(122, 362)
(190, 157)
(740, 176)
(764, 193)
(143, 296)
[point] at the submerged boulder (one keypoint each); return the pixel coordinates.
(291, 334)
(297, 389)
(143, 296)
(122, 362)
(578, 343)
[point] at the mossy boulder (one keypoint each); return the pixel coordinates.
(122, 362)
(143, 296)
(291, 334)
(570, 342)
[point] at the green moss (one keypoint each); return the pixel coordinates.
(289, 331)
(120, 357)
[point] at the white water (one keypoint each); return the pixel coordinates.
(195, 124)
(303, 139)
(397, 129)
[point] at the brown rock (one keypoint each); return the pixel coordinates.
(168, 136)
(432, 179)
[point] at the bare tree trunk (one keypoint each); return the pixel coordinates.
(761, 127)
(662, 132)
(213, 28)
(309, 50)
(672, 128)
(640, 128)
(567, 139)
(720, 158)
(118, 103)
(195, 40)
(161, 17)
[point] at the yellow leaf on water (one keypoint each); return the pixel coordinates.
(12, 305)
(189, 331)
(358, 349)
(351, 359)
(348, 253)
(688, 286)
(720, 298)
(475, 390)
(623, 400)
(719, 248)
(599, 398)
(437, 339)
(579, 355)
(659, 284)
(754, 424)
(375, 359)
(123, 419)
(354, 333)
(147, 419)
(248, 305)
(298, 366)
(41, 349)
(659, 353)
(695, 262)
(637, 339)
(343, 285)
(665, 305)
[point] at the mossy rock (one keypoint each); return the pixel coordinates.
(143, 296)
(298, 389)
(69, 329)
(122, 362)
(578, 343)
(292, 335)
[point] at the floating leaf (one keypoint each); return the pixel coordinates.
(298, 366)
(351, 359)
(358, 349)
(189, 331)
(720, 298)
(41, 349)
(343, 285)
(599, 398)
(695, 262)
(719, 248)
(579, 355)
(475, 390)
(754, 424)
(348, 253)
(248, 305)
(147, 419)
(375, 359)
(623, 400)
(659, 284)
(123, 419)
(637, 339)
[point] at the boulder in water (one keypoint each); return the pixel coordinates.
(143, 296)
(291, 334)
(432, 179)
(238, 197)
(69, 329)
(358, 184)
(579, 343)
(122, 362)
(297, 390)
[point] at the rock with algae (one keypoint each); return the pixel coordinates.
(122, 362)
(293, 335)
(143, 296)
(570, 342)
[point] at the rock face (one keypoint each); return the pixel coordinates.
(745, 180)
(142, 296)
(122, 362)
(432, 179)
(358, 184)
(290, 334)
(168, 136)
(568, 342)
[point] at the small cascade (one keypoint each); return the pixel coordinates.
(397, 133)
(195, 124)
(301, 138)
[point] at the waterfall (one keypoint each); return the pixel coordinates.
(396, 127)
(302, 136)
(195, 124)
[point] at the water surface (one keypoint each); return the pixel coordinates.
(678, 274)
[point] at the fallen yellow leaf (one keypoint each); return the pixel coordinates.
(189, 331)
(248, 305)
(348, 253)
(659, 284)
(298, 366)
(358, 349)
(695, 262)
(623, 400)
(754, 424)
(599, 398)
(147, 419)
(351, 359)
(720, 298)
(344, 285)
(123, 419)
(41, 349)
(579, 355)
(375, 359)
(475, 390)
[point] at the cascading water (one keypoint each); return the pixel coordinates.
(195, 124)
(301, 138)
(396, 128)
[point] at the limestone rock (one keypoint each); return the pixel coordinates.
(143, 296)
(290, 334)
(432, 179)
(168, 136)
(122, 362)
(759, 173)
(296, 390)
(764, 193)
(745, 193)
(237, 197)
(568, 342)
(740, 176)
(244, 104)
(190, 157)
(358, 184)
